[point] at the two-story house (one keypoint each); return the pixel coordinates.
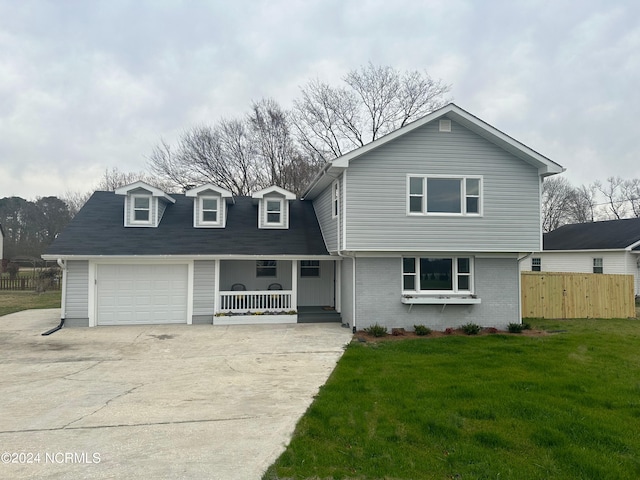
(423, 226)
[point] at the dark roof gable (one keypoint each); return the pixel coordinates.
(98, 229)
(612, 234)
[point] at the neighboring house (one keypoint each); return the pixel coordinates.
(423, 226)
(599, 247)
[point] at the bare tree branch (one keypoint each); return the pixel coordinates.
(331, 121)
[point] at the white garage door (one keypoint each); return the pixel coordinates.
(142, 294)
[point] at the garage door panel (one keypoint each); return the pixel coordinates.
(142, 294)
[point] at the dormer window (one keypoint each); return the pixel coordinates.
(144, 205)
(141, 208)
(274, 211)
(209, 210)
(209, 206)
(273, 207)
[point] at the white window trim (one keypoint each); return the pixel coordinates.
(454, 273)
(201, 221)
(132, 215)
(463, 196)
(539, 264)
(283, 223)
(599, 260)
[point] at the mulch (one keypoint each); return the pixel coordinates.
(400, 334)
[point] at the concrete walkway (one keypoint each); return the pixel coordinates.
(146, 402)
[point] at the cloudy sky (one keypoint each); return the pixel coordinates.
(87, 85)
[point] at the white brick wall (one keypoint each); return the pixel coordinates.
(378, 297)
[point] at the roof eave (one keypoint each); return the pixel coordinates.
(545, 166)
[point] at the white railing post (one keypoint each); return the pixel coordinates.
(294, 285)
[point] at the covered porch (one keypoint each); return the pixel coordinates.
(278, 290)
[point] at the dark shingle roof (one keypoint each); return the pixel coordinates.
(98, 229)
(612, 234)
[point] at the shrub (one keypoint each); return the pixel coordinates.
(515, 327)
(421, 330)
(471, 328)
(526, 326)
(376, 330)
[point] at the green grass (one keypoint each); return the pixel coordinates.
(563, 406)
(15, 301)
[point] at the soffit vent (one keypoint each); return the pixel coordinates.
(445, 125)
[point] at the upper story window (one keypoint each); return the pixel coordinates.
(437, 274)
(598, 265)
(209, 210)
(442, 195)
(273, 207)
(209, 205)
(141, 212)
(536, 264)
(144, 205)
(274, 211)
(335, 201)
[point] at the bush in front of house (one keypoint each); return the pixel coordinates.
(471, 328)
(421, 330)
(515, 327)
(376, 330)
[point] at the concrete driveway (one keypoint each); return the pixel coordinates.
(155, 401)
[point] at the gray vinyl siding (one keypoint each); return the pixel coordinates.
(376, 193)
(204, 282)
(317, 291)
(329, 226)
(77, 293)
(162, 206)
(244, 272)
(379, 293)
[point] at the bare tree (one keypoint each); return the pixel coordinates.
(112, 179)
(631, 193)
(222, 155)
(612, 191)
(557, 195)
(582, 204)
(331, 121)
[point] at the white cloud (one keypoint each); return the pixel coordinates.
(89, 85)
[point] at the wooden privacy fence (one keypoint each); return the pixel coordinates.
(577, 295)
(28, 283)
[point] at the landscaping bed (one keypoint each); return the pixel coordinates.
(522, 406)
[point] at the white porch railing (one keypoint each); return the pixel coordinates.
(258, 301)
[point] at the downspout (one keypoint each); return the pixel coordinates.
(520, 285)
(63, 298)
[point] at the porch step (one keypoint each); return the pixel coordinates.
(318, 315)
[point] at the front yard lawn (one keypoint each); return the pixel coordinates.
(561, 406)
(15, 301)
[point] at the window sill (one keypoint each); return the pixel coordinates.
(440, 299)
